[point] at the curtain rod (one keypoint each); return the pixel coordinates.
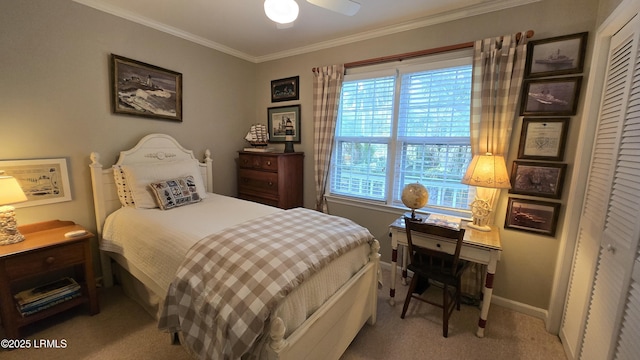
(409, 55)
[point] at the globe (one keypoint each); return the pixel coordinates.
(414, 196)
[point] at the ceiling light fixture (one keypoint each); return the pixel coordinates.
(281, 11)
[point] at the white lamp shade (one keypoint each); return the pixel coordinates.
(488, 171)
(281, 11)
(10, 191)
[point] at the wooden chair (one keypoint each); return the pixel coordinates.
(444, 267)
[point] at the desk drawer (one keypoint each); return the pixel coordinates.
(44, 260)
(435, 244)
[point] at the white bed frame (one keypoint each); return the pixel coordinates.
(326, 334)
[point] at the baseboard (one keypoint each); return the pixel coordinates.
(500, 301)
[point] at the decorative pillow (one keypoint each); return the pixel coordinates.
(139, 176)
(175, 192)
(124, 192)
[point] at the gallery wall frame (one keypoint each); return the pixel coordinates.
(543, 138)
(44, 181)
(145, 90)
(537, 179)
(277, 118)
(550, 97)
(559, 55)
(285, 89)
(540, 217)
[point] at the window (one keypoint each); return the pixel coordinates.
(401, 125)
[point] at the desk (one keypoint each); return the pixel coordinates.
(479, 246)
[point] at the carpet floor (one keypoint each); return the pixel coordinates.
(123, 330)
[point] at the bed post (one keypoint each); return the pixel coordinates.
(101, 214)
(209, 164)
(374, 257)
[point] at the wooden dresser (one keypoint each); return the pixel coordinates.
(271, 178)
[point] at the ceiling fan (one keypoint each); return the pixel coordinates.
(345, 7)
(284, 12)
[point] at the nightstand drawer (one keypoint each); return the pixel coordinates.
(261, 162)
(257, 181)
(44, 260)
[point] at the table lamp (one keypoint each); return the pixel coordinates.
(487, 171)
(10, 193)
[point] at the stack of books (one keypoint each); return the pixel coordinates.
(43, 297)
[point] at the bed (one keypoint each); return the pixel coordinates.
(314, 316)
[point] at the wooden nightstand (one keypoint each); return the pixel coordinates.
(45, 249)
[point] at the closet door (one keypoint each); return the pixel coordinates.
(609, 226)
(628, 345)
(619, 236)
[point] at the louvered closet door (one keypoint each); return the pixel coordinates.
(619, 238)
(628, 345)
(607, 220)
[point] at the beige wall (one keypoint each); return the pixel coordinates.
(55, 103)
(525, 272)
(55, 97)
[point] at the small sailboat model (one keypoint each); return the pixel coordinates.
(257, 135)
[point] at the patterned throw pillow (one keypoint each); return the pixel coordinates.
(124, 191)
(175, 192)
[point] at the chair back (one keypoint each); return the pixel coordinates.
(447, 262)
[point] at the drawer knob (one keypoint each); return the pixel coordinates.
(269, 163)
(270, 183)
(50, 260)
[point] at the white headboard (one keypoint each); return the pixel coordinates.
(153, 148)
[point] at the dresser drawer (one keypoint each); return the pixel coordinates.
(257, 181)
(44, 260)
(258, 162)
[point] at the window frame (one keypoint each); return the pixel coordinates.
(398, 68)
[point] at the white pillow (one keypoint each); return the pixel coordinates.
(139, 176)
(124, 192)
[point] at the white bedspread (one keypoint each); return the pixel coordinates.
(155, 241)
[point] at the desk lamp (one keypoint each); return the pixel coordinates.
(10, 193)
(487, 171)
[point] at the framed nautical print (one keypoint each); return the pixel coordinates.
(556, 56)
(550, 97)
(540, 217)
(537, 179)
(146, 90)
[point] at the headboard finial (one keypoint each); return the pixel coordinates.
(95, 159)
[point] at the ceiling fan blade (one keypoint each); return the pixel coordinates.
(346, 7)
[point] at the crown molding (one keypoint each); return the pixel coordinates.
(478, 9)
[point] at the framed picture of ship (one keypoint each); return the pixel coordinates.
(550, 97)
(556, 56)
(538, 217)
(537, 179)
(141, 89)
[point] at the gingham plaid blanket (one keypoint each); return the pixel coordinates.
(230, 282)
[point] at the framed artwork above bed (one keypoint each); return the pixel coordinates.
(145, 90)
